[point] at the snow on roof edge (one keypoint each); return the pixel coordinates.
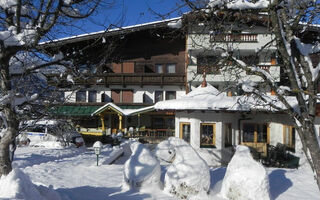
(110, 30)
(125, 112)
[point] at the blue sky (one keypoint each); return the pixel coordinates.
(124, 13)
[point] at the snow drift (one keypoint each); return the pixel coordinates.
(245, 179)
(142, 168)
(17, 185)
(188, 174)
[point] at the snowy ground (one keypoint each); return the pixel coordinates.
(74, 175)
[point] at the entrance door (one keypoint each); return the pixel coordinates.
(185, 131)
(256, 136)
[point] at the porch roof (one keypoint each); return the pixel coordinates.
(209, 98)
(123, 112)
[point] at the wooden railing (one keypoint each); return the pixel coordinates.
(144, 79)
(130, 79)
(234, 38)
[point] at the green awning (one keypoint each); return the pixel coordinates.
(74, 110)
(83, 110)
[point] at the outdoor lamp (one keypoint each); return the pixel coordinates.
(97, 146)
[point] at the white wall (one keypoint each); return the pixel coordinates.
(195, 118)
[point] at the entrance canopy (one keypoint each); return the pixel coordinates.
(120, 111)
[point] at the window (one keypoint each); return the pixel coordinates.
(185, 131)
(209, 64)
(158, 96)
(105, 97)
(147, 99)
(289, 136)
(248, 132)
(207, 135)
(163, 122)
(255, 133)
(171, 68)
(159, 68)
(170, 95)
(92, 96)
(81, 96)
(227, 135)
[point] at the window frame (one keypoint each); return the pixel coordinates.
(167, 68)
(255, 133)
(228, 126)
(166, 94)
(291, 145)
(213, 145)
(155, 95)
(95, 95)
(181, 124)
(78, 96)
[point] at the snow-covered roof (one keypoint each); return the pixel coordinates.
(209, 98)
(239, 4)
(171, 23)
(124, 112)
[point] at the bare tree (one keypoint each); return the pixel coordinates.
(24, 92)
(295, 39)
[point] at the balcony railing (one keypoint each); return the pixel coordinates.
(234, 38)
(131, 79)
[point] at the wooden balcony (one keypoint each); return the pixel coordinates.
(130, 79)
(241, 38)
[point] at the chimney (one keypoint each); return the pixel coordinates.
(204, 82)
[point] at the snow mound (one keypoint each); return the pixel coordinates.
(142, 168)
(17, 185)
(48, 144)
(189, 174)
(245, 179)
(165, 151)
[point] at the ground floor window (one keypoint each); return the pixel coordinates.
(207, 135)
(185, 131)
(227, 135)
(255, 133)
(163, 122)
(289, 136)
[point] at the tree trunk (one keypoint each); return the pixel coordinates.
(311, 147)
(6, 140)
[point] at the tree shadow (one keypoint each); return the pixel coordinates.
(99, 193)
(278, 182)
(217, 176)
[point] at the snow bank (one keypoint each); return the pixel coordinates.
(245, 179)
(142, 168)
(17, 185)
(189, 173)
(47, 144)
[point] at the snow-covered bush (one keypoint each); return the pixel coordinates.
(17, 185)
(142, 168)
(245, 179)
(188, 174)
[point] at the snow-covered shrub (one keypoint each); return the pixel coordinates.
(17, 185)
(245, 179)
(142, 168)
(188, 174)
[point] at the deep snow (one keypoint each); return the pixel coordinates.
(73, 174)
